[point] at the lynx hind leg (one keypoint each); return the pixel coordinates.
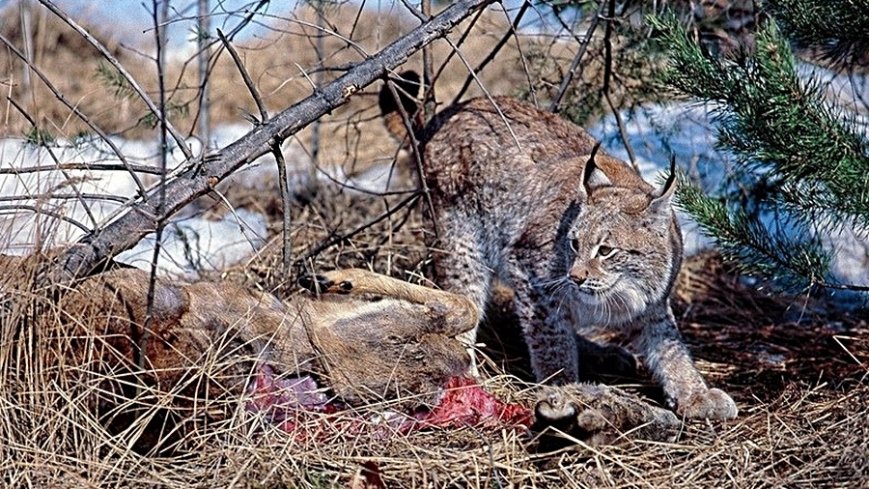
(460, 267)
(600, 414)
(667, 357)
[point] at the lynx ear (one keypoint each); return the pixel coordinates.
(662, 198)
(592, 176)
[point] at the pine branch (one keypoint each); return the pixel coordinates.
(756, 249)
(836, 29)
(773, 121)
(801, 159)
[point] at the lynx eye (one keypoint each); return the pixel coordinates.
(574, 245)
(604, 251)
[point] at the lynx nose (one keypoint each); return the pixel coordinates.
(579, 274)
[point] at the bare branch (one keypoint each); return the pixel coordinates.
(489, 57)
(96, 248)
(160, 38)
(574, 65)
(54, 196)
(607, 78)
(38, 210)
(276, 150)
(123, 71)
(248, 82)
(84, 118)
(152, 170)
(339, 239)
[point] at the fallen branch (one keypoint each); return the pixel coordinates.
(200, 176)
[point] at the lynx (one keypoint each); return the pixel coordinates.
(524, 196)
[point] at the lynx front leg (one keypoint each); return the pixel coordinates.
(668, 359)
(461, 267)
(547, 329)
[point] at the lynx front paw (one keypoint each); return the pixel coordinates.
(709, 404)
(599, 414)
(325, 285)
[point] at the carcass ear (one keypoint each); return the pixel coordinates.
(663, 197)
(592, 176)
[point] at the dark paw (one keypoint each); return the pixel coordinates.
(604, 362)
(708, 404)
(323, 285)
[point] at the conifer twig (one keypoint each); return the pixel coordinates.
(182, 144)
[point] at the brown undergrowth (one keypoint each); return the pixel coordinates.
(797, 370)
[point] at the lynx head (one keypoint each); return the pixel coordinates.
(625, 244)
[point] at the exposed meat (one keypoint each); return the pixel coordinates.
(299, 405)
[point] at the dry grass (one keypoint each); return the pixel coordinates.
(797, 369)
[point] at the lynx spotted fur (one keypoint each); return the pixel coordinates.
(524, 196)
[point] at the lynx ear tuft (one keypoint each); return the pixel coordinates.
(592, 176)
(662, 197)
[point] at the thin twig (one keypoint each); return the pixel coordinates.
(54, 196)
(316, 140)
(522, 59)
(276, 151)
(152, 170)
(56, 160)
(264, 115)
(338, 239)
(623, 131)
(161, 38)
(285, 202)
(607, 78)
(202, 57)
(575, 64)
(84, 118)
(484, 90)
(428, 106)
(459, 43)
(123, 71)
(37, 210)
(417, 154)
(215, 56)
(494, 52)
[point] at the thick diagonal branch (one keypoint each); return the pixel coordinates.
(96, 248)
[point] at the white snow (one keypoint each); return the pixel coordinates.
(196, 244)
(191, 243)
